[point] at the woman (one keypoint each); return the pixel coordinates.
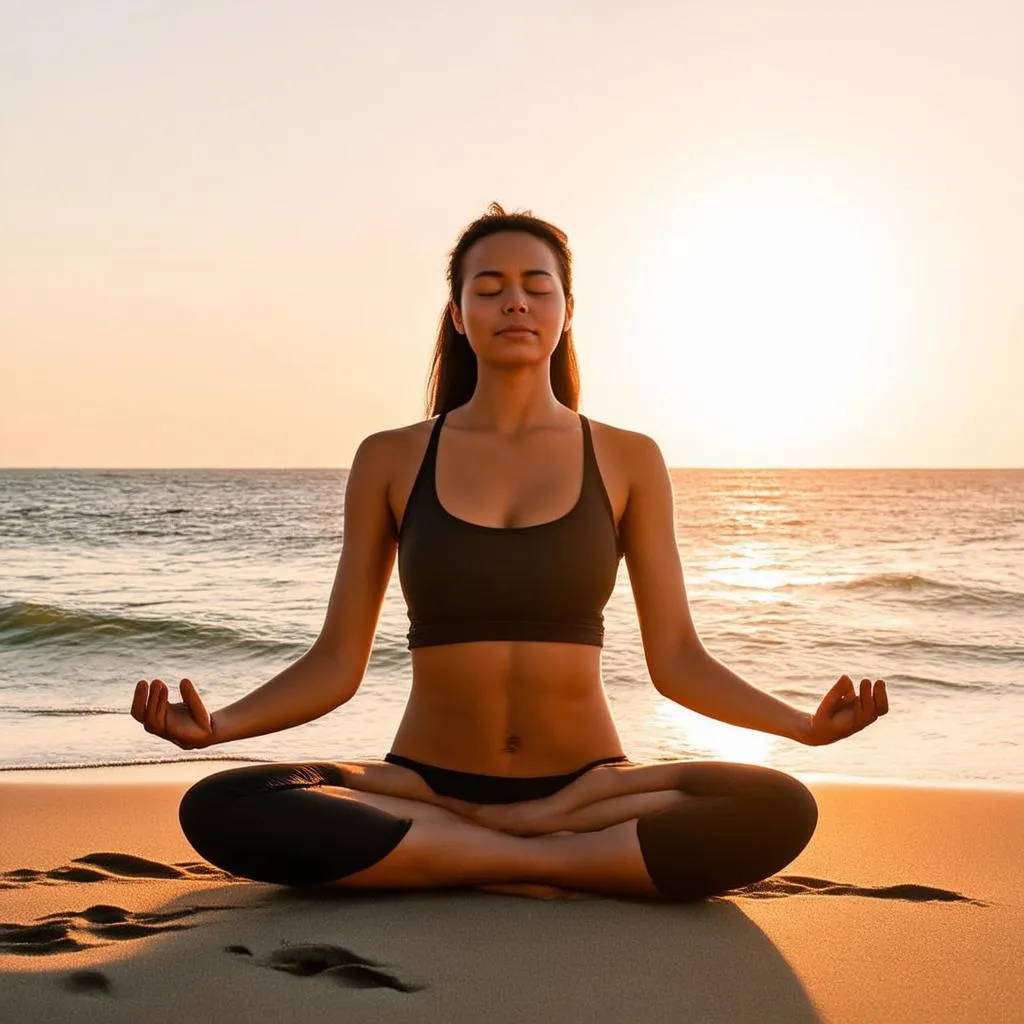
(506, 772)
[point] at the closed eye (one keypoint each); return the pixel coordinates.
(490, 295)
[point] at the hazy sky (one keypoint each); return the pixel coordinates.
(797, 226)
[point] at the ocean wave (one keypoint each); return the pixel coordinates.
(29, 624)
(220, 758)
(910, 581)
(57, 765)
(749, 637)
(925, 590)
(19, 709)
(930, 683)
(915, 647)
(936, 593)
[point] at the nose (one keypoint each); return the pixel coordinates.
(515, 304)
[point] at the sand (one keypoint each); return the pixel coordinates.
(906, 906)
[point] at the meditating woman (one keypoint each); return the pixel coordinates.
(509, 513)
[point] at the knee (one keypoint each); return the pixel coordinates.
(797, 809)
(783, 812)
(201, 809)
(211, 811)
(208, 807)
(273, 824)
(746, 831)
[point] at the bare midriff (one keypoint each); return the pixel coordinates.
(507, 708)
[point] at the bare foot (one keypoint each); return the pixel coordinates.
(534, 891)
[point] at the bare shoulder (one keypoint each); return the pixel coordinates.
(396, 454)
(393, 443)
(635, 455)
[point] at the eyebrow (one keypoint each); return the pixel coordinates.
(498, 273)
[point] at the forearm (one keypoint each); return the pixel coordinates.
(706, 686)
(703, 684)
(601, 814)
(307, 689)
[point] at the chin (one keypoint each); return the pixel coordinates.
(520, 346)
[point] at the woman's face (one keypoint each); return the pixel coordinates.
(511, 278)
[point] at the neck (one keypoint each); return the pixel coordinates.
(509, 403)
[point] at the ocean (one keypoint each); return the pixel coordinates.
(794, 577)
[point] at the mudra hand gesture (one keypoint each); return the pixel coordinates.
(843, 712)
(187, 725)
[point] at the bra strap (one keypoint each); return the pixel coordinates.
(592, 474)
(589, 458)
(425, 474)
(430, 456)
(436, 433)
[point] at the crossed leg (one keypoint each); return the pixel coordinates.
(443, 848)
(698, 828)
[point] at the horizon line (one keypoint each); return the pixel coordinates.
(305, 469)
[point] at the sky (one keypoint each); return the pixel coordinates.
(795, 225)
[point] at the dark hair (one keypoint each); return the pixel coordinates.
(452, 377)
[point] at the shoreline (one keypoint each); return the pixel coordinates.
(191, 771)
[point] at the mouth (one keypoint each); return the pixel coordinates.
(517, 332)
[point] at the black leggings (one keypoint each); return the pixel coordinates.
(274, 823)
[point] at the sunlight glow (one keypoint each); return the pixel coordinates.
(713, 739)
(752, 569)
(766, 303)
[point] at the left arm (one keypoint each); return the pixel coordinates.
(699, 681)
(680, 667)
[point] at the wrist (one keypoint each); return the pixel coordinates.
(218, 728)
(803, 727)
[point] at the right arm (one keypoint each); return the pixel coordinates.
(330, 672)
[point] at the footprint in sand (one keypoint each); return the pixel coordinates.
(340, 965)
(68, 931)
(803, 885)
(102, 867)
(337, 963)
(99, 925)
(88, 981)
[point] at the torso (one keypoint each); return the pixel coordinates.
(510, 708)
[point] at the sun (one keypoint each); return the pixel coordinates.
(768, 313)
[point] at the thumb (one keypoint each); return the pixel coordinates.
(195, 704)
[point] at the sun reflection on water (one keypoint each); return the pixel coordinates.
(713, 739)
(755, 568)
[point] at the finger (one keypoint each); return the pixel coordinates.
(881, 697)
(154, 699)
(870, 714)
(195, 704)
(139, 701)
(161, 713)
(867, 705)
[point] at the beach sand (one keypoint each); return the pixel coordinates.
(906, 905)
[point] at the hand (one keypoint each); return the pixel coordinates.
(188, 725)
(842, 712)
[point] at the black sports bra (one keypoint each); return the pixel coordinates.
(464, 582)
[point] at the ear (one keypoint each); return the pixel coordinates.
(570, 305)
(456, 317)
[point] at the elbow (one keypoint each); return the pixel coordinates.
(673, 677)
(343, 677)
